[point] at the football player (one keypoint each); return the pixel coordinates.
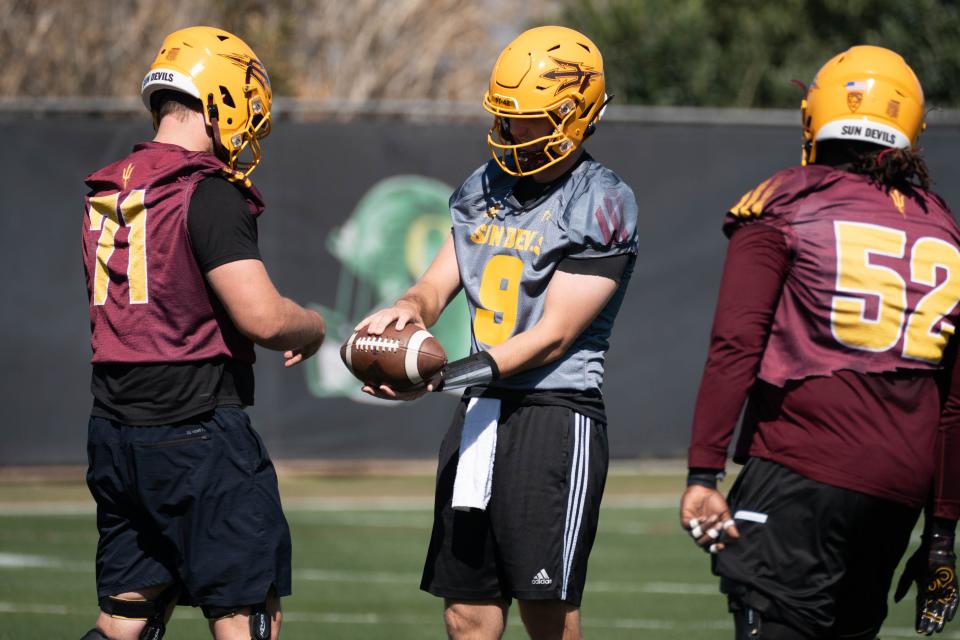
(543, 243)
(188, 507)
(835, 320)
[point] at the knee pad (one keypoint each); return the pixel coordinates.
(94, 634)
(260, 622)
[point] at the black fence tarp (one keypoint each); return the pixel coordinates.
(312, 178)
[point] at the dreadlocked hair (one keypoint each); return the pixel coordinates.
(894, 167)
(887, 166)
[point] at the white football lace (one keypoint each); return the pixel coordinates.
(376, 344)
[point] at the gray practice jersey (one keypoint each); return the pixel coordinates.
(508, 254)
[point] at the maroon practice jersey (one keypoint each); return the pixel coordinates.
(840, 296)
(874, 280)
(149, 302)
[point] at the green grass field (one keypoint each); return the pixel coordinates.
(358, 550)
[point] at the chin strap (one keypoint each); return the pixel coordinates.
(219, 150)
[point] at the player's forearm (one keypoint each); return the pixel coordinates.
(530, 349)
(425, 301)
(755, 267)
(947, 471)
(436, 288)
(523, 351)
(290, 327)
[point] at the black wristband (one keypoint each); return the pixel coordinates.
(704, 477)
(939, 533)
(478, 368)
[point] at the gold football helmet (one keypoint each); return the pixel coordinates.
(220, 70)
(548, 72)
(865, 93)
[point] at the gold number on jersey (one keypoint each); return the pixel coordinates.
(107, 219)
(499, 294)
(857, 243)
(921, 341)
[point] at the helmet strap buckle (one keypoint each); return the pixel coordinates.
(214, 115)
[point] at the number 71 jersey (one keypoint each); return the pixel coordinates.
(508, 253)
(149, 302)
(874, 280)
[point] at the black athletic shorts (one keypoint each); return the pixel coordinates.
(816, 558)
(194, 502)
(534, 538)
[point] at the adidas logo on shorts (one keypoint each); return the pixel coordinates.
(541, 578)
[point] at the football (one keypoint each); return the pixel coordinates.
(401, 359)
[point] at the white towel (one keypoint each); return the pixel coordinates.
(478, 447)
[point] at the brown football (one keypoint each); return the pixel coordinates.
(401, 359)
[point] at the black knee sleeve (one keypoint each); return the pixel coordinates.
(260, 622)
(151, 611)
(750, 624)
(747, 624)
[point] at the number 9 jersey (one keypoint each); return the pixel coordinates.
(507, 254)
(874, 280)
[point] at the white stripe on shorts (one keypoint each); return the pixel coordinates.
(577, 495)
(750, 516)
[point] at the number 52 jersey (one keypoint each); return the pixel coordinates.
(508, 253)
(874, 282)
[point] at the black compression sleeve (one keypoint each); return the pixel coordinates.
(220, 225)
(608, 266)
(479, 368)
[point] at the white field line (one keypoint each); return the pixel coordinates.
(24, 561)
(383, 577)
(15, 510)
(376, 619)
(294, 505)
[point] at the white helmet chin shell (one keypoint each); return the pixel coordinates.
(865, 130)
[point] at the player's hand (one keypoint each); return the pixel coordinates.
(293, 357)
(401, 314)
(296, 356)
(933, 568)
(386, 392)
(704, 514)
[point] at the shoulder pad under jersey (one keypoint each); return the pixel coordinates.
(776, 193)
(602, 218)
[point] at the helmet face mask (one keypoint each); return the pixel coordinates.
(526, 157)
(221, 71)
(249, 141)
(551, 73)
(867, 94)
